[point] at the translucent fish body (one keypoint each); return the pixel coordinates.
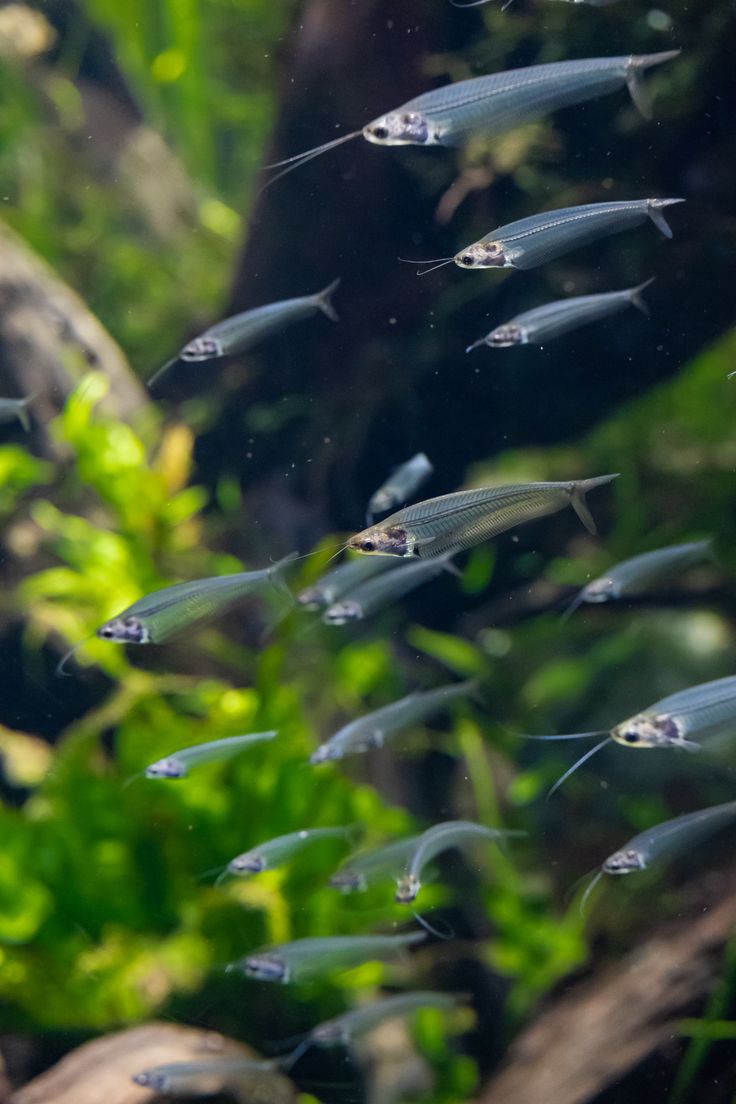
(456, 521)
(179, 763)
(540, 238)
(401, 485)
(438, 838)
(701, 713)
(385, 589)
(374, 728)
(341, 580)
(343, 1029)
(307, 958)
(367, 868)
(277, 851)
(669, 839)
(638, 574)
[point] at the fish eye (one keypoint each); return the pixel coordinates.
(467, 259)
(380, 132)
(106, 631)
(631, 737)
(368, 546)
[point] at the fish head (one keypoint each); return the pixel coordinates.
(202, 348)
(151, 1079)
(250, 862)
(311, 598)
(170, 767)
(324, 754)
(267, 967)
(348, 881)
(340, 613)
(647, 730)
(624, 862)
(399, 128)
(484, 254)
(390, 541)
(504, 336)
(125, 630)
(600, 590)
(329, 1034)
(407, 889)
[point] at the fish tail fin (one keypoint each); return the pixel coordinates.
(636, 299)
(22, 412)
(637, 64)
(323, 299)
(578, 491)
(157, 376)
(654, 210)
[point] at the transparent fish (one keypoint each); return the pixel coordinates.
(201, 1078)
(306, 958)
(367, 868)
(179, 763)
(480, 3)
(466, 518)
(372, 730)
(438, 838)
(706, 712)
(637, 575)
(497, 103)
(543, 324)
(664, 841)
(343, 1029)
(157, 616)
(400, 485)
(342, 579)
(12, 409)
(385, 589)
(276, 852)
(240, 332)
(540, 238)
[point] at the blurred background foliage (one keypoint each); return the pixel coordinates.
(131, 143)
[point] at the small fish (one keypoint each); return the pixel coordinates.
(479, 3)
(240, 332)
(371, 730)
(706, 712)
(157, 616)
(637, 575)
(386, 588)
(200, 1078)
(466, 518)
(367, 867)
(540, 238)
(11, 409)
(538, 326)
(276, 852)
(342, 579)
(400, 485)
(342, 1030)
(438, 838)
(179, 763)
(307, 958)
(663, 842)
(497, 103)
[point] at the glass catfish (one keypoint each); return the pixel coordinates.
(664, 841)
(206, 1077)
(366, 868)
(466, 518)
(543, 324)
(498, 102)
(638, 574)
(161, 614)
(275, 852)
(540, 238)
(16, 409)
(342, 1030)
(706, 712)
(440, 837)
(240, 332)
(371, 730)
(400, 485)
(386, 588)
(340, 580)
(306, 958)
(179, 763)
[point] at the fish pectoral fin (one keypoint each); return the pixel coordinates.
(580, 506)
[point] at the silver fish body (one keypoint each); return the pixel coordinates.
(703, 712)
(552, 320)
(374, 728)
(201, 1078)
(499, 102)
(277, 851)
(384, 589)
(365, 868)
(343, 1029)
(341, 580)
(307, 958)
(157, 616)
(638, 574)
(461, 520)
(666, 840)
(400, 485)
(179, 763)
(438, 838)
(540, 238)
(16, 409)
(242, 331)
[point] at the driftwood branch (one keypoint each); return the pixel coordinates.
(103, 1069)
(595, 1035)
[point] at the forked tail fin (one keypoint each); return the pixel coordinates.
(636, 299)
(323, 299)
(637, 91)
(654, 210)
(578, 491)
